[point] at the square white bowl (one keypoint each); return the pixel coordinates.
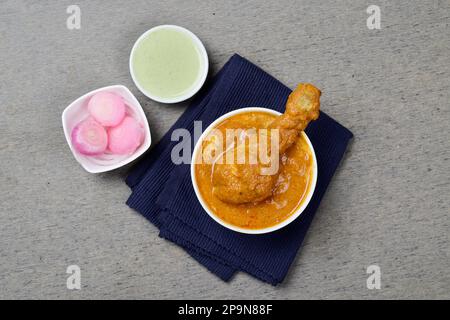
(77, 111)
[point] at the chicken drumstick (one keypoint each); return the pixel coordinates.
(243, 183)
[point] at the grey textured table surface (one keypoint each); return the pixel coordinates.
(387, 205)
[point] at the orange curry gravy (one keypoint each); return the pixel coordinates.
(295, 176)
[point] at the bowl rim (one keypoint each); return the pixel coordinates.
(228, 225)
(135, 105)
(203, 53)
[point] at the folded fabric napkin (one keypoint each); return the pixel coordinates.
(163, 192)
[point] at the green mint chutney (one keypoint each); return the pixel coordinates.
(167, 63)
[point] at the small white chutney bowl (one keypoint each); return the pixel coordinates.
(226, 224)
(203, 71)
(77, 111)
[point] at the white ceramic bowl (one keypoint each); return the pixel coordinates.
(204, 65)
(283, 223)
(77, 111)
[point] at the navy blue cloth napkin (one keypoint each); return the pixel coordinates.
(163, 193)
